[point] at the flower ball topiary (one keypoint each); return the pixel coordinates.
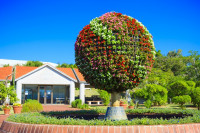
(114, 52)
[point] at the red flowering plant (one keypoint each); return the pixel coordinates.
(114, 52)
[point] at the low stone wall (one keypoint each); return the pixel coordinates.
(12, 127)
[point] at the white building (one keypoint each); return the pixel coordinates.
(47, 84)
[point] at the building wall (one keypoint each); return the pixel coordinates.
(45, 76)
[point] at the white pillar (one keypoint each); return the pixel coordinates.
(72, 91)
(19, 91)
(82, 92)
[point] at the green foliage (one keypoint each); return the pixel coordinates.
(191, 83)
(65, 65)
(174, 61)
(178, 88)
(155, 93)
(47, 118)
(32, 106)
(105, 96)
(73, 104)
(181, 100)
(197, 84)
(131, 103)
(78, 104)
(16, 104)
(123, 101)
(33, 63)
(84, 106)
(159, 77)
(148, 103)
(6, 65)
(196, 97)
(193, 68)
(8, 91)
(158, 53)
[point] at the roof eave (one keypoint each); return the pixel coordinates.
(43, 67)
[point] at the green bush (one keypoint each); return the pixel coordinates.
(197, 84)
(105, 96)
(178, 88)
(7, 91)
(181, 100)
(196, 97)
(84, 106)
(156, 93)
(32, 106)
(191, 83)
(76, 103)
(73, 104)
(148, 104)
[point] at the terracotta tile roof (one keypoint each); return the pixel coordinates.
(80, 76)
(22, 70)
(4, 72)
(68, 71)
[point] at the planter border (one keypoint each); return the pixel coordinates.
(35, 128)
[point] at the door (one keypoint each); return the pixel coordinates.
(49, 99)
(46, 94)
(42, 94)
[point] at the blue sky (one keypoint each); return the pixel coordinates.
(46, 30)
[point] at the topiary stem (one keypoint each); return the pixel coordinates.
(115, 99)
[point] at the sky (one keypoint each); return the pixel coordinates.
(46, 30)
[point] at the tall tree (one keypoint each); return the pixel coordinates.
(33, 63)
(193, 66)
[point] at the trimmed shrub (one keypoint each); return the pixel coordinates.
(181, 100)
(73, 104)
(105, 96)
(78, 104)
(178, 88)
(197, 84)
(191, 83)
(156, 93)
(32, 106)
(196, 97)
(148, 104)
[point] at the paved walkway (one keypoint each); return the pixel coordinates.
(46, 108)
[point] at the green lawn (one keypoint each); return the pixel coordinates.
(88, 93)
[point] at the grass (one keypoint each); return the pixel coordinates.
(88, 92)
(46, 118)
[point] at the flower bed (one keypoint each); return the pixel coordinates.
(48, 118)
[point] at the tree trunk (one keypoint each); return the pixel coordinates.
(115, 99)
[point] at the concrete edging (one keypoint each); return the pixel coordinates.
(13, 127)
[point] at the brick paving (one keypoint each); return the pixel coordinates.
(11, 127)
(2, 118)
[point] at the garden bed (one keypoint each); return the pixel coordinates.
(139, 117)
